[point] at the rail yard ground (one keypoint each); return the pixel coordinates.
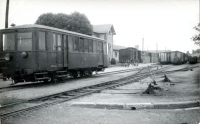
(126, 104)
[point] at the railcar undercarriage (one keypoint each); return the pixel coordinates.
(49, 76)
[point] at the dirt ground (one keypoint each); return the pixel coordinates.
(185, 86)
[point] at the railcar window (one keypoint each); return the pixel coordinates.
(86, 45)
(70, 43)
(94, 46)
(42, 38)
(65, 42)
(8, 41)
(100, 47)
(24, 41)
(91, 46)
(54, 41)
(59, 42)
(81, 45)
(76, 44)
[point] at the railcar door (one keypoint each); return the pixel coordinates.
(57, 47)
(100, 52)
(65, 50)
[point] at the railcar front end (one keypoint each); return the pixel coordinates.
(17, 54)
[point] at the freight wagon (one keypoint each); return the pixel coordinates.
(173, 57)
(153, 57)
(128, 55)
(164, 57)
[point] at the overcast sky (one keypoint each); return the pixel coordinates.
(169, 23)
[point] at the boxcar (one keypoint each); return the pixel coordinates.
(128, 55)
(164, 57)
(177, 57)
(42, 53)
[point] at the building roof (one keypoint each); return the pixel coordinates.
(49, 28)
(104, 28)
(117, 47)
(159, 51)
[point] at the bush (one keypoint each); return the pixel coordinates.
(113, 61)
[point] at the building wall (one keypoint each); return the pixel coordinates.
(116, 55)
(110, 45)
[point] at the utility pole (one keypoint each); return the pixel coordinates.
(7, 11)
(156, 47)
(142, 45)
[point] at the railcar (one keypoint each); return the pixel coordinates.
(42, 53)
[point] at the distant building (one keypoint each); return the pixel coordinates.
(105, 32)
(116, 49)
(158, 51)
(137, 47)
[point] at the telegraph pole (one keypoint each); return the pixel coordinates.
(156, 47)
(142, 45)
(7, 11)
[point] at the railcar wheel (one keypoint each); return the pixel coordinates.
(90, 73)
(75, 75)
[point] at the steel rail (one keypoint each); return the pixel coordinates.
(30, 85)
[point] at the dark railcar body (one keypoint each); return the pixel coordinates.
(36, 52)
(128, 55)
(192, 59)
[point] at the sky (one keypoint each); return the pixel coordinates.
(167, 23)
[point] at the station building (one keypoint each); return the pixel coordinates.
(105, 32)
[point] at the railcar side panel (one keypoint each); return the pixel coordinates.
(105, 56)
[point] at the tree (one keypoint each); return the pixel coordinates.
(46, 19)
(196, 38)
(76, 22)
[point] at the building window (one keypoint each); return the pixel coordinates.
(42, 43)
(8, 41)
(115, 54)
(24, 41)
(109, 48)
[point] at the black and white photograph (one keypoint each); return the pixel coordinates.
(99, 61)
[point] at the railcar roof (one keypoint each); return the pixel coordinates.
(50, 28)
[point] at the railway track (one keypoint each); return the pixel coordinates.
(53, 99)
(30, 85)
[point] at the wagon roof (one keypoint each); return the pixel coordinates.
(117, 47)
(50, 28)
